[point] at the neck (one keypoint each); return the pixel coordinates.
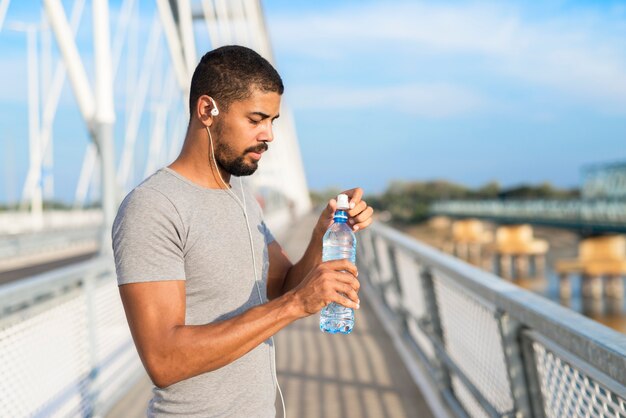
(193, 161)
(341, 216)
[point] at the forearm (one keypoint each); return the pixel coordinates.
(191, 350)
(311, 258)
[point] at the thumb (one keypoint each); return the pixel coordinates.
(326, 216)
(331, 207)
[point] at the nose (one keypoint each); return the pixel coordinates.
(268, 133)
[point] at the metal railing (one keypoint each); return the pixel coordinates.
(63, 234)
(34, 243)
(65, 347)
(20, 222)
(489, 348)
(593, 215)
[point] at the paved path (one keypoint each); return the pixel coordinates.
(328, 376)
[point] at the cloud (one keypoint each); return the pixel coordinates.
(578, 54)
(427, 100)
(452, 28)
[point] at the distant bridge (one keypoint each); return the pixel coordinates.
(588, 217)
(601, 208)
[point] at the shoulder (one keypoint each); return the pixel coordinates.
(147, 207)
(143, 200)
(157, 192)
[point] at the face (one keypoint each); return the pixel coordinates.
(243, 132)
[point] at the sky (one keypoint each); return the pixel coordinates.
(465, 91)
(468, 91)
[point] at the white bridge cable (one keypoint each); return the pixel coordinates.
(139, 99)
(78, 76)
(174, 121)
(87, 171)
(53, 96)
(86, 175)
(221, 11)
(158, 117)
(174, 44)
(132, 61)
(171, 119)
(34, 144)
(136, 89)
(50, 109)
(256, 21)
(177, 132)
(47, 180)
(4, 6)
(240, 24)
(159, 122)
(126, 13)
(103, 81)
(186, 35)
(210, 19)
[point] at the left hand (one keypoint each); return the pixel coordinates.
(360, 215)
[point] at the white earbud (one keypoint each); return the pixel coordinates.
(215, 111)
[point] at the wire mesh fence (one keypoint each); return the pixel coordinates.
(489, 348)
(568, 391)
(65, 347)
(473, 341)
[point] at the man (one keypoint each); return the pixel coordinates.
(184, 247)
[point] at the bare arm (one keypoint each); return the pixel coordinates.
(283, 275)
(172, 351)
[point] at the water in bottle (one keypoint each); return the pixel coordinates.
(339, 242)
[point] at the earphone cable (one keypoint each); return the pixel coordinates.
(242, 205)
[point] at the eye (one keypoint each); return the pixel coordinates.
(254, 122)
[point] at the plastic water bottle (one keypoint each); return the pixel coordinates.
(339, 242)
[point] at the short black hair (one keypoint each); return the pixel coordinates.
(229, 73)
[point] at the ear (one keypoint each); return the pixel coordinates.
(204, 105)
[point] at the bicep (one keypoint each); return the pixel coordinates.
(153, 311)
(278, 268)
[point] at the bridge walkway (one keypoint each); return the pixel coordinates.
(324, 376)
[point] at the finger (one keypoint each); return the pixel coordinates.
(363, 216)
(331, 207)
(342, 265)
(347, 277)
(355, 196)
(358, 208)
(346, 301)
(350, 280)
(362, 225)
(347, 291)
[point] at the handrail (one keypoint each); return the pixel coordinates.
(32, 290)
(492, 331)
(29, 248)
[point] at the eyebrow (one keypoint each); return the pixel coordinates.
(264, 115)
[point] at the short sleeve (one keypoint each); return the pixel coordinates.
(147, 239)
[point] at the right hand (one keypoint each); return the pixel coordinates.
(330, 281)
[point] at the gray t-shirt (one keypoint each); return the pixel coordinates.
(169, 228)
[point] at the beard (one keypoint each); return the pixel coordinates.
(228, 159)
